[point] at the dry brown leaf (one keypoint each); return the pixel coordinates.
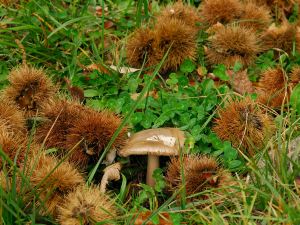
(164, 219)
(99, 11)
(134, 96)
(240, 82)
(98, 67)
(108, 24)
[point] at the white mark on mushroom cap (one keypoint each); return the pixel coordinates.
(167, 140)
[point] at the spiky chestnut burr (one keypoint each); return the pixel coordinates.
(72, 126)
(295, 76)
(230, 44)
(11, 144)
(59, 117)
(257, 18)
(245, 125)
(222, 11)
(281, 37)
(140, 48)
(281, 9)
(11, 116)
(271, 88)
(186, 13)
(29, 88)
(200, 173)
(86, 206)
(52, 180)
(179, 39)
(93, 130)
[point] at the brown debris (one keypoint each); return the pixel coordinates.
(164, 218)
(240, 82)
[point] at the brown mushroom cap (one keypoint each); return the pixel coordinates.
(158, 141)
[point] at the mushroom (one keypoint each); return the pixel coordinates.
(154, 143)
(111, 172)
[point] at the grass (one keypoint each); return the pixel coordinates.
(66, 37)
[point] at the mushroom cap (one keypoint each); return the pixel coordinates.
(158, 141)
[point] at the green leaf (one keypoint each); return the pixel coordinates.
(132, 85)
(148, 119)
(160, 183)
(183, 80)
(200, 112)
(162, 119)
(137, 117)
(229, 152)
(234, 164)
(196, 131)
(283, 58)
(220, 72)
(187, 66)
(253, 96)
(215, 141)
(176, 218)
(208, 86)
(172, 79)
(295, 99)
(112, 90)
(122, 193)
(237, 66)
(3, 72)
(89, 93)
(217, 153)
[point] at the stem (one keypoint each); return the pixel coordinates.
(153, 163)
(104, 182)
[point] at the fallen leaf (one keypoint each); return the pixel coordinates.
(98, 67)
(108, 24)
(201, 71)
(124, 69)
(240, 82)
(134, 96)
(99, 10)
(164, 219)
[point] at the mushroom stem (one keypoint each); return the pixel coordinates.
(104, 182)
(111, 172)
(153, 163)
